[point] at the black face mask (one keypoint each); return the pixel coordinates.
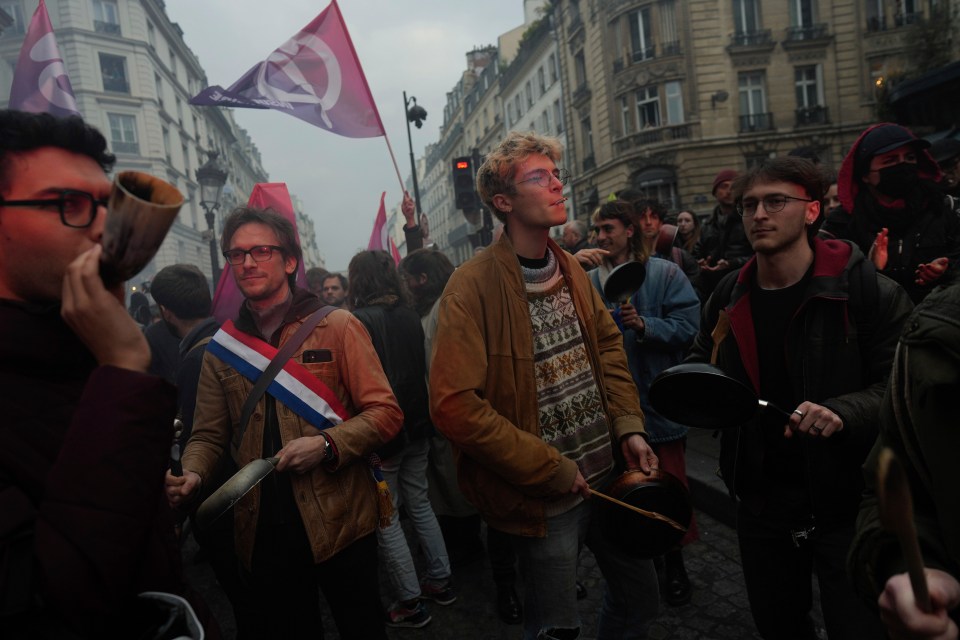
(899, 181)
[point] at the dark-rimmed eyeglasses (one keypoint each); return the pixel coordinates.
(771, 204)
(543, 177)
(263, 253)
(77, 208)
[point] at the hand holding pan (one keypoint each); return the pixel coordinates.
(230, 492)
(701, 395)
(624, 281)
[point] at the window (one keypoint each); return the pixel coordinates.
(580, 69)
(668, 26)
(674, 91)
(529, 92)
(807, 83)
(15, 11)
(196, 128)
(166, 144)
(547, 127)
(552, 65)
(876, 21)
(589, 161)
(113, 71)
(541, 80)
(158, 83)
(746, 16)
(509, 114)
(151, 35)
(106, 17)
(802, 13)
(641, 38)
(186, 159)
(173, 63)
(558, 115)
(753, 102)
(626, 125)
(123, 133)
(180, 110)
(648, 108)
(192, 200)
(518, 106)
(908, 12)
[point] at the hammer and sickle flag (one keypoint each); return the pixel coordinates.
(314, 76)
(40, 82)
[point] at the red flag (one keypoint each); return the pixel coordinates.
(315, 76)
(380, 240)
(227, 297)
(40, 82)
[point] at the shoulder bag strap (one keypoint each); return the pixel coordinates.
(283, 355)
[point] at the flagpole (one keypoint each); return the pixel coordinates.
(376, 110)
(394, 158)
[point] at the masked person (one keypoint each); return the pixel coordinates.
(894, 211)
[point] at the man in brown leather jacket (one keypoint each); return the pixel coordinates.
(530, 384)
(312, 523)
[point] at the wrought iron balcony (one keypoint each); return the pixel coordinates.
(756, 122)
(906, 19)
(877, 23)
(752, 38)
(807, 32)
(106, 27)
(817, 114)
(125, 147)
(646, 53)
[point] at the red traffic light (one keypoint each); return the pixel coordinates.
(463, 164)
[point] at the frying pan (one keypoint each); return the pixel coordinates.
(698, 394)
(660, 494)
(624, 281)
(666, 238)
(230, 492)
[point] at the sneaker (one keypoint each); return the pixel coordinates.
(441, 594)
(399, 615)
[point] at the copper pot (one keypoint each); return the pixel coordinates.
(659, 493)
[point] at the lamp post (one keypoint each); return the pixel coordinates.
(415, 114)
(211, 177)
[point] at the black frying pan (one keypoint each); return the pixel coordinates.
(624, 281)
(701, 395)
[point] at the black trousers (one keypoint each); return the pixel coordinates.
(779, 573)
(285, 584)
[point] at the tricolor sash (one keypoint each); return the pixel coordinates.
(294, 386)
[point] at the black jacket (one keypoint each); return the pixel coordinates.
(831, 363)
(397, 335)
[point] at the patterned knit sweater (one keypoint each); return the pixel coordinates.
(570, 410)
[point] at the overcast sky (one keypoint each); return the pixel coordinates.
(412, 45)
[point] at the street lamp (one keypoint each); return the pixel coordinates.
(211, 177)
(415, 114)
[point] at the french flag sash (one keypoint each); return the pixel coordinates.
(294, 386)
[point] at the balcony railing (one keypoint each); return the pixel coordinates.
(646, 53)
(752, 38)
(807, 32)
(876, 23)
(906, 19)
(671, 48)
(756, 122)
(125, 147)
(581, 93)
(644, 137)
(106, 27)
(807, 116)
(589, 163)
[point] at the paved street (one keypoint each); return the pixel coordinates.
(718, 610)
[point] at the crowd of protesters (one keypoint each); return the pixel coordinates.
(493, 397)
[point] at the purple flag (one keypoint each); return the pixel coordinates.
(314, 76)
(40, 82)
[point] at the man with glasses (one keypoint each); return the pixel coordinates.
(530, 384)
(86, 432)
(309, 526)
(811, 328)
(894, 210)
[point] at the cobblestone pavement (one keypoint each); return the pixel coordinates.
(718, 610)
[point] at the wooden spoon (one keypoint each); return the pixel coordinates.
(896, 516)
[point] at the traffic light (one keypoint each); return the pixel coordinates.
(463, 185)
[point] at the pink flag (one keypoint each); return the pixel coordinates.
(40, 82)
(380, 240)
(315, 76)
(227, 297)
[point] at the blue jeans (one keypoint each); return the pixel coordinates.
(406, 475)
(549, 570)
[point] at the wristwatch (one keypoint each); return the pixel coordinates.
(327, 449)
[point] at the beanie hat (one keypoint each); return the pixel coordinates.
(723, 176)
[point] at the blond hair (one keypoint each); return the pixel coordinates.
(496, 174)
